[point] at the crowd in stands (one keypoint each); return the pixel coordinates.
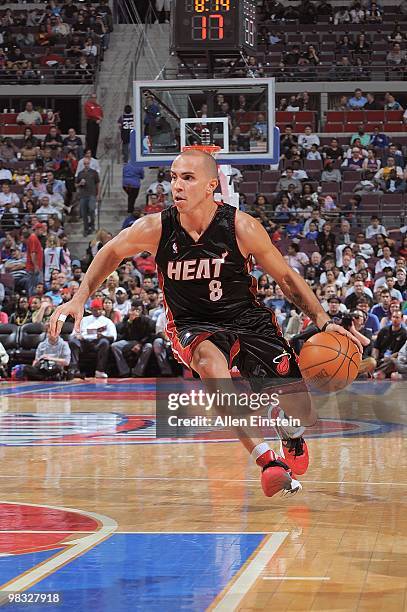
(334, 208)
(319, 41)
(58, 42)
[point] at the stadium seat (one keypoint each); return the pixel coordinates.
(8, 338)
(392, 116)
(392, 127)
(249, 187)
(333, 128)
(30, 335)
(251, 175)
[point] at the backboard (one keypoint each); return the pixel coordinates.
(236, 114)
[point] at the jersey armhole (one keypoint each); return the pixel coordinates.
(165, 216)
(249, 258)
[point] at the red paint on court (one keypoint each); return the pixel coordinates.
(22, 517)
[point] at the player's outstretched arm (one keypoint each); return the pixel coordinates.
(253, 240)
(143, 235)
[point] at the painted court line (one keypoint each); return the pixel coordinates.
(117, 532)
(240, 587)
(181, 479)
(296, 578)
(69, 553)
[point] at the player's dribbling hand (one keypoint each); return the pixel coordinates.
(341, 330)
(73, 308)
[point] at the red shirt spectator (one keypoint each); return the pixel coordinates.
(3, 317)
(34, 246)
(92, 109)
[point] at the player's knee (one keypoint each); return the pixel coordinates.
(204, 363)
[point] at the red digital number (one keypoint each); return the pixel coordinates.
(216, 31)
(199, 27)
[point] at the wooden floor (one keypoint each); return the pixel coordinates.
(84, 489)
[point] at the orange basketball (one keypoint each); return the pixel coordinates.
(329, 361)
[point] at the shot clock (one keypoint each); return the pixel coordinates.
(212, 25)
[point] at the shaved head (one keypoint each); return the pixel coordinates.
(206, 162)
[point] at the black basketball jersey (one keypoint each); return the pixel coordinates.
(208, 280)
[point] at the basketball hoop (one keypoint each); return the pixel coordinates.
(206, 148)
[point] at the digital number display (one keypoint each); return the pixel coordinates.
(214, 24)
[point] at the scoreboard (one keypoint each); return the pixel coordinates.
(214, 25)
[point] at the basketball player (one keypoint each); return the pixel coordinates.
(203, 251)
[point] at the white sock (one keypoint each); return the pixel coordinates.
(259, 450)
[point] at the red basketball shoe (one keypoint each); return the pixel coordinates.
(276, 476)
(293, 448)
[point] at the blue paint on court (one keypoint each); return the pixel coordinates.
(154, 572)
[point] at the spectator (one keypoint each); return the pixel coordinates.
(122, 304)
(374, 14)
(392, 103)
(355, 293)
(132, 177)
(395, 152)
(372, 322)
(97, 332)
(326, 240)
(396, 56)
(330, 174)
(357, 101)
(362, 136)
(341, 16)
(382, 308)
(94, 116)
(371, 103)
(295, 258)
(55, 292)
(29, 116)
(93, 163)
(126, 125)
(88, 185)
(45, 211)
(73, 143)
(400, 364)
(386, 261)
(375, 228)
(166, 185)
(134, 344)
(288, 179)
(388, 170)
(35, 256)
(394, 184)
(110, 312)
(332, 152)
(362, 47)
(306, 140)
(8, 197)
(355, 161)
(389, 341)
(313, 154)
(22, 314)
(357, 14)
(5, 173)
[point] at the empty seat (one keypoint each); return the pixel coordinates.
(249, 187)
(30, 335)
(392, 127)
(333, 128)
(394, 116)
(335, 116)
(330, 187)
(251, 176)
(305, 116)
(374, 115)
(313, 165)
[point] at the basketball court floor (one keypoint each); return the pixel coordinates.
(96, 514)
